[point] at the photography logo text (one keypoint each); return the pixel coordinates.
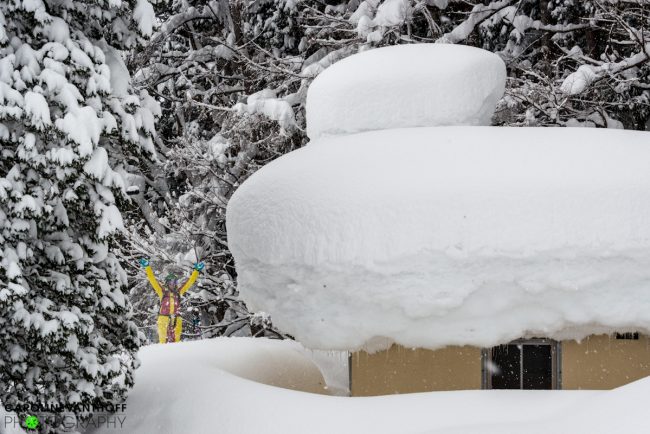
(38, 415)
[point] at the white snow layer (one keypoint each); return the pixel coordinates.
(195, 387)
(405, 86)
(449, 235)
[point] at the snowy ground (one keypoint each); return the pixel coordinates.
(215, 386)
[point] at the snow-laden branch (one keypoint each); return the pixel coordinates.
(578, 81)
(507, 11)
(478, 14)
(524, 22)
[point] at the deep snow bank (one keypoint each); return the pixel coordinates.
(405, 86)
(185, 388)
(195, 387)
(449, 235)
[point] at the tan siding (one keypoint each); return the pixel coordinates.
(403, 370)
(598, 362)
(604, 362)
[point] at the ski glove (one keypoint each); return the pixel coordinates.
(199, 266)
(144, 262)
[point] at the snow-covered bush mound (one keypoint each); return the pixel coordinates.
(449, 235)
(186, 388)
(190, 387)
(405, 86)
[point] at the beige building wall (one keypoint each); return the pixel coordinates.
(597, 362)
(404, 370)
(604, 362)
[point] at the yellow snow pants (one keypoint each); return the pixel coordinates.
(163, 322)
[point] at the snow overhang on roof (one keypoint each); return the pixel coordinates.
(405, 86)
(435, 236)
(449, 235)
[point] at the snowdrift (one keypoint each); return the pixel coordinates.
(188, 388)
(449, 235)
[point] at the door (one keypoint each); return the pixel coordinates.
(525, 364)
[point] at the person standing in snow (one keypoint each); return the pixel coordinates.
(170, 323)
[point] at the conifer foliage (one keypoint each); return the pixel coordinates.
(70, 129)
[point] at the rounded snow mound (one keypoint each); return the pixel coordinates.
(406, 86)
(450, 235)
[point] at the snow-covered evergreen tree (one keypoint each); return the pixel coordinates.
(70, 128)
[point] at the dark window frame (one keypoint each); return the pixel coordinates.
(556, 361)
(627, 336)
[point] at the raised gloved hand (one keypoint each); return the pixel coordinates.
(144, 262)
(199, 266)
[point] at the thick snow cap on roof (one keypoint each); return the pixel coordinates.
(406, 86)
(449, 235)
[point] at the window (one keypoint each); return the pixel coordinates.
(523, 364)
(628, 336)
